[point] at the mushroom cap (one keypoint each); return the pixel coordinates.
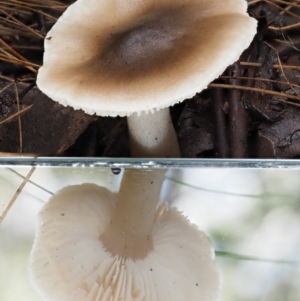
(68, 261)
(121, 57)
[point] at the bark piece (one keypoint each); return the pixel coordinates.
(282, 139)
(47, 128)
(222, 148)
(195, 134)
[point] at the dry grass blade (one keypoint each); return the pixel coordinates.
(254, 2)
(17, 193)
(276, 66)
(263, 91)
(8, 56)
(9, 27)
(283, 10)
(10, 59)
(287, 3)
(6, 87)
(13, 116)
(22, 25)
(288, 27)
(288, 41)
(19, 119)
(26, 79)
(12, 9)
(262, 80)
(39, 4)
(15, 53)
(282, 71)
(26, 10)
(18, 155)
(6, 78)
(277, 1)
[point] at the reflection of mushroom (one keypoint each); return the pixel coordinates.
(132, 57)
(74, 259)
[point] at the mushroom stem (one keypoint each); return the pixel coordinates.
(130, 230)
(153, 135)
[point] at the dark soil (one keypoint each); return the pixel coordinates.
(251, 111)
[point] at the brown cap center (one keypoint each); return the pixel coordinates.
(140, 48)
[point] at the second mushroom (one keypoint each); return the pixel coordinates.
(91, 245)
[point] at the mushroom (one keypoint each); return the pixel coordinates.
(80, 252)
(135, 58)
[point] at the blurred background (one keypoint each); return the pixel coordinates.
(252, 217)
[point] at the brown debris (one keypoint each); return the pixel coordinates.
(282, 139)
